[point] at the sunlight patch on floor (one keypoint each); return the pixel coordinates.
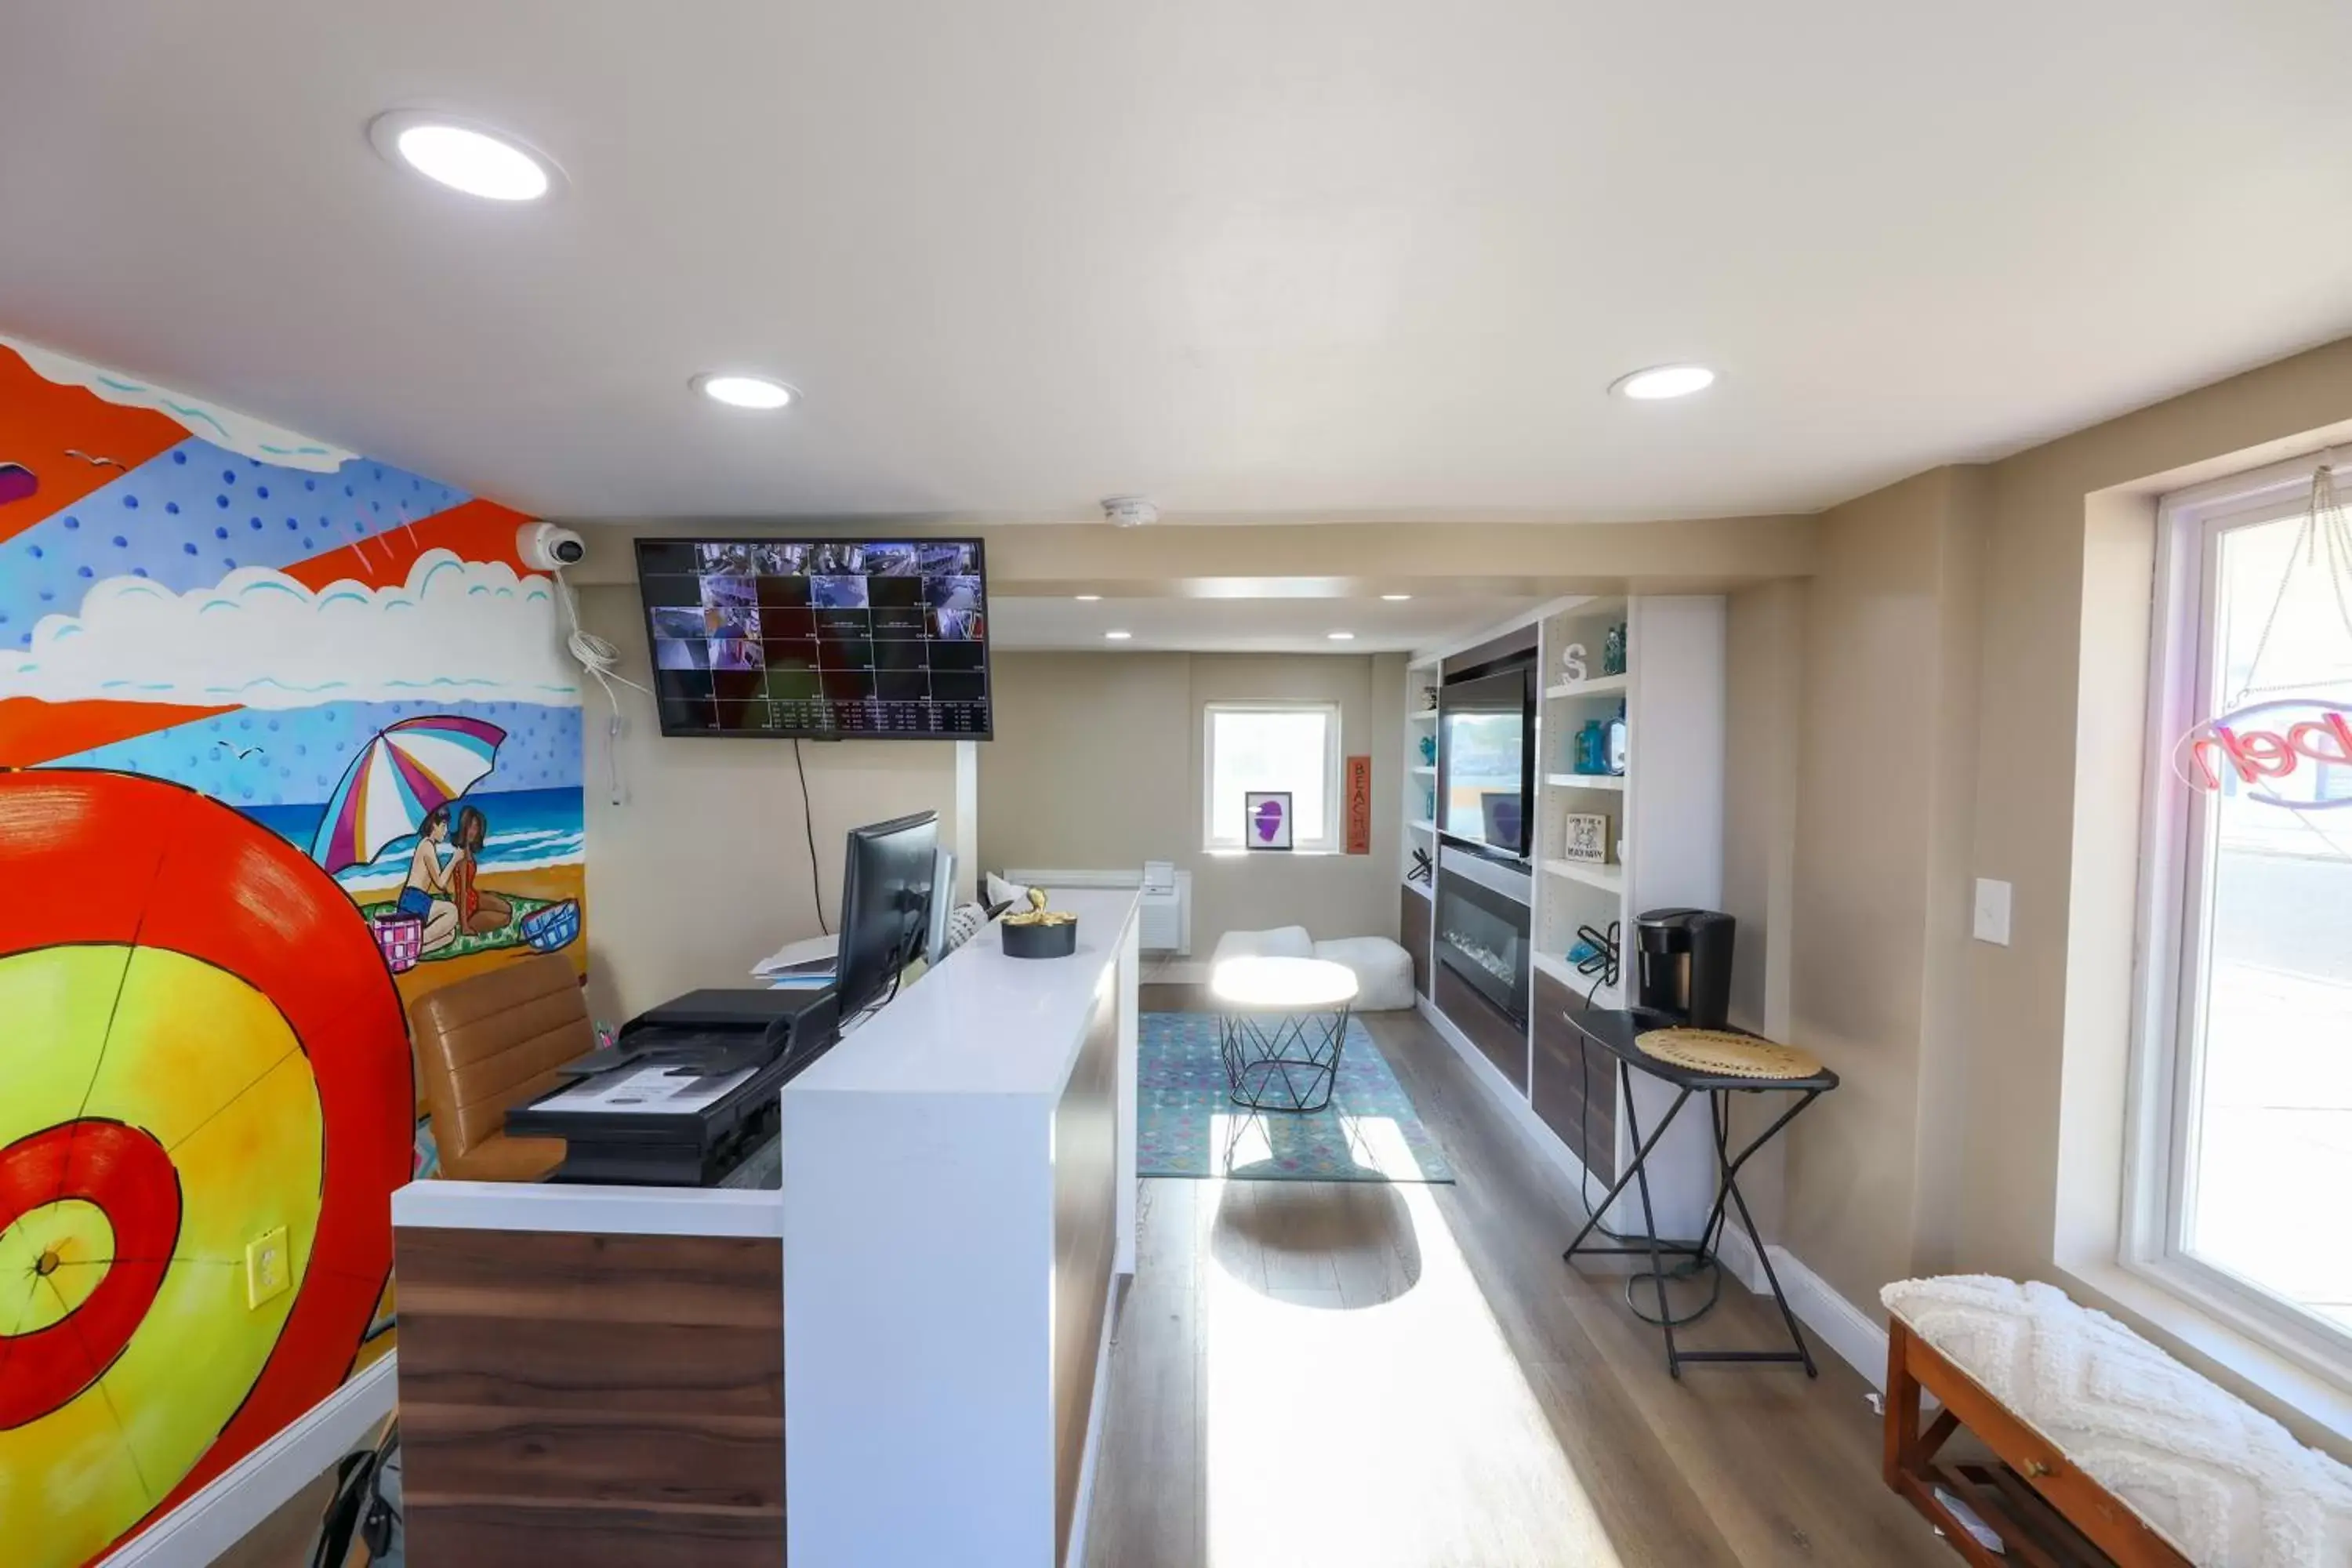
(1402, 1434)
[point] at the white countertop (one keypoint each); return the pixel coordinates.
(609, 1210)
(982, 1023)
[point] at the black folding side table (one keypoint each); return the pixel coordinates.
(1614, 1031)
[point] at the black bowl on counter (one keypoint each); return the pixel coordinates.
(1040, 940)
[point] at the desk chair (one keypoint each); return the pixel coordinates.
(490, 1042)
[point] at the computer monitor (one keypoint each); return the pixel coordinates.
(886, 906)
(943, 881)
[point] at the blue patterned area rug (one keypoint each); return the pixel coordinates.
(1186, 1126)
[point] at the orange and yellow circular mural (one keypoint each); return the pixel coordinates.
(200, 1048)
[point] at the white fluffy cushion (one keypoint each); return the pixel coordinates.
(1383, 971)
(1283, 942)
(2225, 1484)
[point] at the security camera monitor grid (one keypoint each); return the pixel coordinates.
(818, 637)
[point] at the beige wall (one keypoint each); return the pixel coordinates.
(1971, 668)
(1097, 763)
(704, 869)
(1886, 748)
(2063, 675)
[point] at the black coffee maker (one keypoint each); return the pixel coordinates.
(1683, 965)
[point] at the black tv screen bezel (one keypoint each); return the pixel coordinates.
(1522, 665)
(987, 655)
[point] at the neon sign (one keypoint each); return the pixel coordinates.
(2293, 732)
(2266, 745)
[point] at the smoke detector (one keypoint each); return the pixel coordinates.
(1130, 511)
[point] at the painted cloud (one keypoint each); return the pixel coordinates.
(456, 631)
(224, 427)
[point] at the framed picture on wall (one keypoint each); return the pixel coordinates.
(1265, 819)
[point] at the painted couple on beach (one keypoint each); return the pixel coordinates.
(443, 893)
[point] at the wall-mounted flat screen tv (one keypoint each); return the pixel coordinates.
(818, 638)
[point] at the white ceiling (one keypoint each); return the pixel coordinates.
(1319, 259)
(1285, 625)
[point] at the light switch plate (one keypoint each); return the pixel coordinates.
(1992, 912)
(268, 1271)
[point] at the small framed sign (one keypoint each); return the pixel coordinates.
(1360, 806)
(1265, 819)
(1586, 839)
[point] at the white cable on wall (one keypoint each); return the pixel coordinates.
(600, 660)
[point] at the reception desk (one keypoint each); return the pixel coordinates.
(896, 1358)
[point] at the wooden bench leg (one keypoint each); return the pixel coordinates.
(1909, 1452)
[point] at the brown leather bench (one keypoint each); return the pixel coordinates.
(492, 1041)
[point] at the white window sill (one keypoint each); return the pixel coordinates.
(1235, 852)
(2206, 1337)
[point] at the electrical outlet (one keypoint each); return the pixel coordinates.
(268, 1269)
(1992, 912)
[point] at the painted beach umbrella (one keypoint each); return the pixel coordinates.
(410, 768)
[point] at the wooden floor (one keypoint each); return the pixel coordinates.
(1306, 1373)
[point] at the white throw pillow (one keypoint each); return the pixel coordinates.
(1282, 941)
(963, 925)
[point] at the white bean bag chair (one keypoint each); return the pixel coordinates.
(2225, 1484)
(1383, 971)
(1283, 942)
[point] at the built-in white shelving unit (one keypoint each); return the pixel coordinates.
(1608, 878)
(1595, 686)
(1613, 783)
(1663, 833)
(1420, 789)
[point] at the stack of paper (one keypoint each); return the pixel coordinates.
(812, 952)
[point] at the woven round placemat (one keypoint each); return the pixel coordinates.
(1733, 1056)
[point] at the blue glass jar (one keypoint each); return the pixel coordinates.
(1592, 748)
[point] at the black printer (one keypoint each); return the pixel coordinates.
(685, 1090)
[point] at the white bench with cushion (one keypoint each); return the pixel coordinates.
(2154, 1463)
(1383, 971)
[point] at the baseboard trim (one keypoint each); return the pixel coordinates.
(1845, 1328)
(1174, 971)
(1857, 1338)
(241, 1497)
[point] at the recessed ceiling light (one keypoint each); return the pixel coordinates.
(1396, 598)
(1089, 598)
(1117, 636)
(1663, 381)
(1341, 637)
(743, 391)
(464, 156)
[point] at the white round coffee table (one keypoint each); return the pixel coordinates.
(1279, 1020)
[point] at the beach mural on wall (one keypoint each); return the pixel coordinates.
(294, 741)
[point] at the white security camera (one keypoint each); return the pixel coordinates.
(544, 547)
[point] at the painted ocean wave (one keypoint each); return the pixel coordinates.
(528, 830)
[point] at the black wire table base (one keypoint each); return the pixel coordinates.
(1701, 1252)
(1282, 1061)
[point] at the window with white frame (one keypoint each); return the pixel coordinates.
(2242, 1162)
(1292, 747)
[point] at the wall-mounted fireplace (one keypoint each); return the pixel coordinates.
(1485, 925)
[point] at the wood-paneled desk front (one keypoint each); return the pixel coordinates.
(635, 1375)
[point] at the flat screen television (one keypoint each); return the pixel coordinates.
(818, 638)
(1486, 754)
